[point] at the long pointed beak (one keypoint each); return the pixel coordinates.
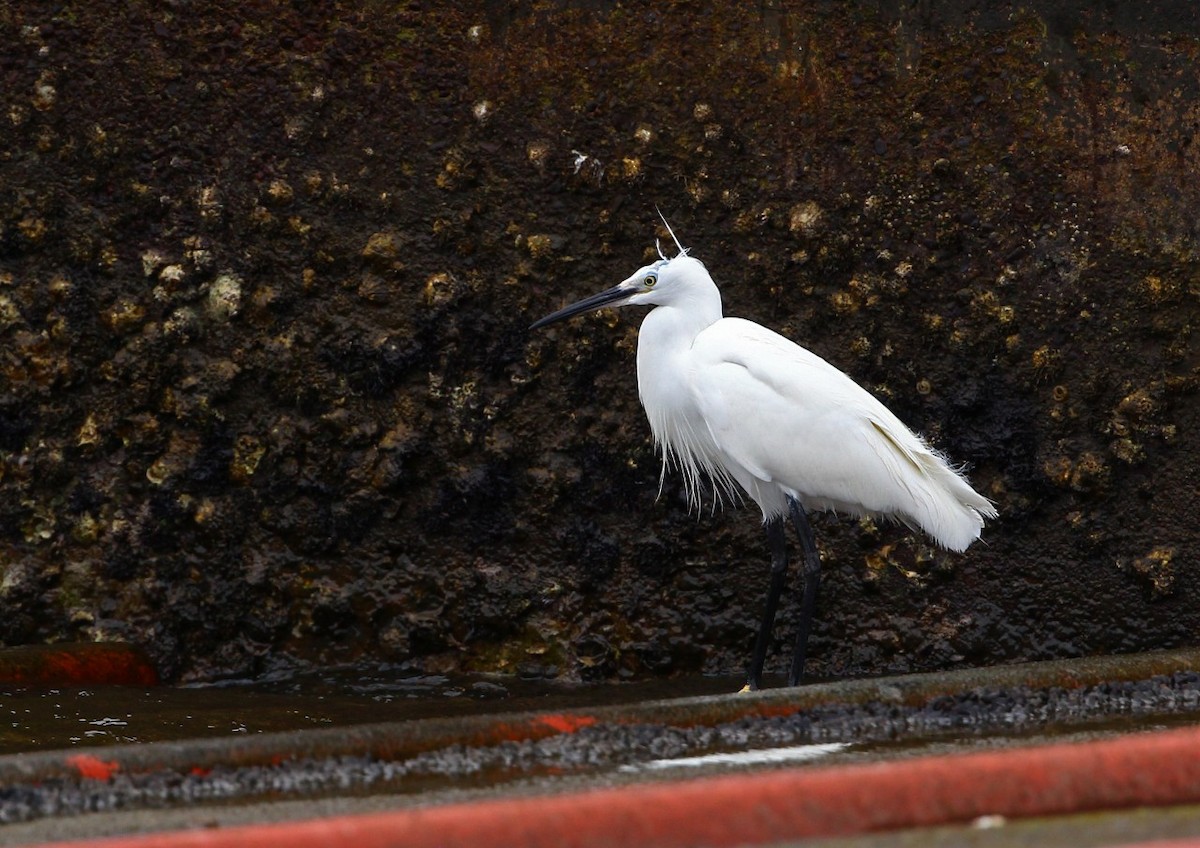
(605, 298)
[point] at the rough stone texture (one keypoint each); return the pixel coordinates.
(267, 394)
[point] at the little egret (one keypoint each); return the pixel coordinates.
(734, 402)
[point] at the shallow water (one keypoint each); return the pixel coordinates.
(33, 718)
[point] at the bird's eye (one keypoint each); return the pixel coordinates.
(650, 280)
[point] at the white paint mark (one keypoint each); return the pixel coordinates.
(765, 756)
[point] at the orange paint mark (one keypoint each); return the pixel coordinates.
(564, 723)
(92, 767)
(68, 664)
(505, 732)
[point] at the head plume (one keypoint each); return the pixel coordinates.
(682, 250)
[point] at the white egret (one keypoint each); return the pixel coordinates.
(732, 401)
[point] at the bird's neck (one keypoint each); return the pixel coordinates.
(673, 327)
(664, 343)
(666, 337)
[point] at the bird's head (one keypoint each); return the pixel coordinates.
(664, 282)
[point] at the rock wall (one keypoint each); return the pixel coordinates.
(267, 396)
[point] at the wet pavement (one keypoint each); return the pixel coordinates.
(297, 749)
(46, 717)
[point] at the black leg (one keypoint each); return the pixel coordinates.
(812, 582)
(777, 539)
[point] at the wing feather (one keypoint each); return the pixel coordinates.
(782, 415)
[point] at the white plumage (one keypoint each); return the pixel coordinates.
(734, 402)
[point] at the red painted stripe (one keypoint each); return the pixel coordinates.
(1138, 770)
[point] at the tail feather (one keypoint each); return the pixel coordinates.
(942, 502)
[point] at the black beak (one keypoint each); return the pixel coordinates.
(596, 301)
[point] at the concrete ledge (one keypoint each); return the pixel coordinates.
(1141, 770)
